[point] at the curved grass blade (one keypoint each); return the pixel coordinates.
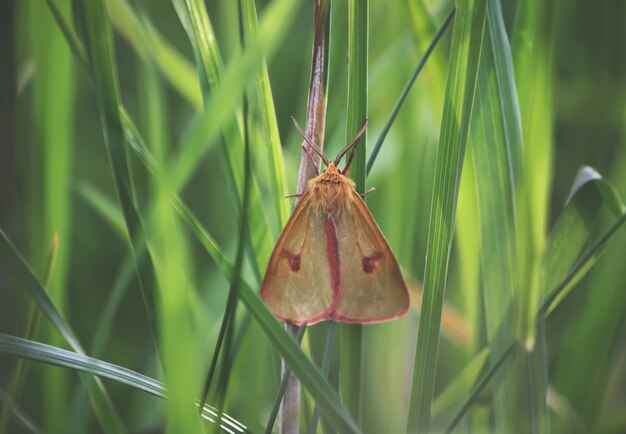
(406, 90)
(109, 420)
(25, 349)
(572, 229)
(461, 82)
(581, 267)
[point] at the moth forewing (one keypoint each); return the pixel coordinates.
(373, 289)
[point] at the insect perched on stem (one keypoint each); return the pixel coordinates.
(332, 262)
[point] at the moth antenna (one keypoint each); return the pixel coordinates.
(309, 141)
(352, 145)
(308, 154)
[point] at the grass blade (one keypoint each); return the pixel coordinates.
(351, 358)
(461, 82)
(497, 157)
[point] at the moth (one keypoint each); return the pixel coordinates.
(331, 261)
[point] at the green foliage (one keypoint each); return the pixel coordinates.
(132, 153)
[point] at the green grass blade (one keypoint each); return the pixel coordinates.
(99, 47)
(497, 156)
(12, 346)
(532, 57)
(461, 82)
(351, 358)
(52, 119)
(105, 412)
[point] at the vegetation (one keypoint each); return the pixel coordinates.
(147, 149)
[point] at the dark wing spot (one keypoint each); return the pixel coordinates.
(369, 262)
(294, 260)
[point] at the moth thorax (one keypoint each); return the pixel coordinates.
(331, 196)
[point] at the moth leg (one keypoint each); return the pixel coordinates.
(365, 193)
(298, 195)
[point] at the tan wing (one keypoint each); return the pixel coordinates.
(297, 283)
(372, 286)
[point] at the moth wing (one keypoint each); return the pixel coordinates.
(297, 283)
(373, 289)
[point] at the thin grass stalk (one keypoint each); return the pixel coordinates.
(405, 92)
(351, 357)
(289, 420)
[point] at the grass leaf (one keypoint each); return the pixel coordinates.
(461, 83)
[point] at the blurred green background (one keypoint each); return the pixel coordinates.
(56, 180)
